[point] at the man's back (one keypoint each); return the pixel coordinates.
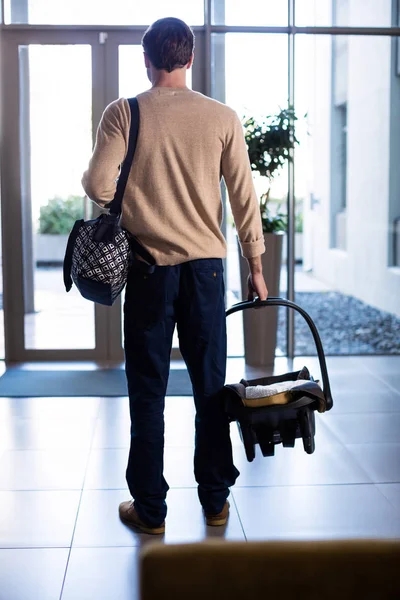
(172, 201)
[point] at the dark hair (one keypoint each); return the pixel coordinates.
(168, 43)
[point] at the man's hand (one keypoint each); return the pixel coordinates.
(256, 283)
(257, 287)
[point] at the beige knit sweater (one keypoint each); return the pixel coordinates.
(172, 201)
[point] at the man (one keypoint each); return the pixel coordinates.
(172, 204)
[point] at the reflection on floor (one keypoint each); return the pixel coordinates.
(62, 476)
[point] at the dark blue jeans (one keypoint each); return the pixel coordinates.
(190, 295)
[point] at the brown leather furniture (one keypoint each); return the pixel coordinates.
(322, 570)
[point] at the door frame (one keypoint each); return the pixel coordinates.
(13, 193)
(104, 44)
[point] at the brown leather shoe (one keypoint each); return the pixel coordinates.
(128, 515)
(219, 519)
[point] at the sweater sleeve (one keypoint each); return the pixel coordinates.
(236, 171)
(100, 179)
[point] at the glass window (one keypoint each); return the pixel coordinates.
(253, 12)
(239, 80)
(347, 187)
(255, 93)
(56, 144)
(345, 13)
(132, 73)
(101, 12)
(2, 348)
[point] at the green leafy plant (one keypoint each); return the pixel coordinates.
(270, 144)
(272, 223)
(299, 221)
(59, 214)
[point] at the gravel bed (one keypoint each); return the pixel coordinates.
(345, 324)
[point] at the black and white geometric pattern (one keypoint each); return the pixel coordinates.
(105, 262)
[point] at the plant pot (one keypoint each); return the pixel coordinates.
(260, 326)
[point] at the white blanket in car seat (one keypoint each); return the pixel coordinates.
(263, 391)
(280, 392)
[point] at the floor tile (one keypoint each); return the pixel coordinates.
(316, 512)
(37, 519)
(392, 380)
(99, 524)
(351, 383)
(51, 408)
(331, 463)
(391, 491)
(114, 408)
(179, 426)
(114, 434)
(365, 402)
(180, 405)
(380, 364)
(6, 408)
(185, 520)
(45, 443)
(26, 573)
(46, 434)
(385, 369)
(178, 466)
(179, 431)
(42, 469)
(98, 521)
(106, 468)
(336, 365)
(102, 574)
(380, 461)
(365, 428)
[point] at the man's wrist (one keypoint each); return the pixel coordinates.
(255, 265)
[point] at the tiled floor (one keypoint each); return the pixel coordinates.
(62, 476)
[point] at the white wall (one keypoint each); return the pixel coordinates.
(362, 270)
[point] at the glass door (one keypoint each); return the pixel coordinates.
(251, 96)
(51, 107)
(56, 111)
(59, 83)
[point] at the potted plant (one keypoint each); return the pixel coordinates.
(270, 145)
(56, 220)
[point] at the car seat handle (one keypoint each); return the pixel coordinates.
(276, 301)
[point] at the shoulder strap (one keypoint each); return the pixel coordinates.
(116, 204)
(68, 254)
